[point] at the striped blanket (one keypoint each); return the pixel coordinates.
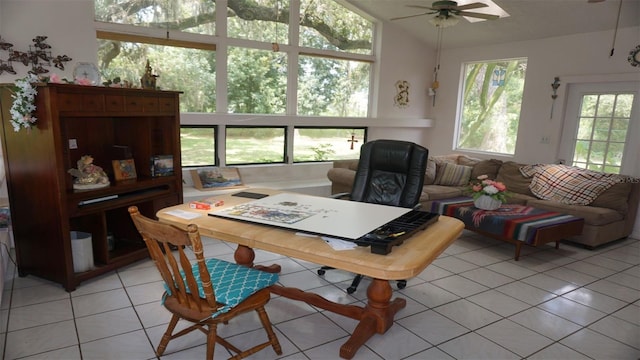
(517, 222)
(568, 184)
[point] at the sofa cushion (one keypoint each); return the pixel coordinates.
(486, 167)
(342, 176)
(430, 172)
(592, 215)
(467, 161)
(510, 175)
(436, 192)
(452, 174)
(614, 198)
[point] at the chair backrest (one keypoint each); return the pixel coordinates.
(390, 172)
(173, 264)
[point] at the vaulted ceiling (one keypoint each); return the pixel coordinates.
(528, 20)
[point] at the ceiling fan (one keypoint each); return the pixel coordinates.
(445, 10)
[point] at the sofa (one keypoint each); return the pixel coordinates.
(609, 217)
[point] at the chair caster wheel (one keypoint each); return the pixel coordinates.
(401, 284)
(321, 272)
(351, 290)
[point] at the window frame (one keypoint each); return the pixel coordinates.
(216, 131)
(364, 140)
(285, 157)
(579, 86)
(461, 106)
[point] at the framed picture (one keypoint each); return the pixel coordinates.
(124, 169)
(162, 165)
(214, 178)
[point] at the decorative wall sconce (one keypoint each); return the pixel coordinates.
(554, 95)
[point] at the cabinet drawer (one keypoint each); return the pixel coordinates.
(134, 103)
(86, 102)
(150, 104)
(167, 105)
(92, 103)
(114, 103)
(69, 102)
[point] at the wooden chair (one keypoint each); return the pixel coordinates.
(206, 293)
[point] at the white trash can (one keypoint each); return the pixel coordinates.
(82, 251)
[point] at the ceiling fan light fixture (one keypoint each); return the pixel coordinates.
(444, 21)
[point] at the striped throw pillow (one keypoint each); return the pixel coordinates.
(452, 174)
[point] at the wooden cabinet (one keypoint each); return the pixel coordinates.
(74, 121)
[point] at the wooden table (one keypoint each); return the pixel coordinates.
(404, 262)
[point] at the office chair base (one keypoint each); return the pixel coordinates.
(401, 284)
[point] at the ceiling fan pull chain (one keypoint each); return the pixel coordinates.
(615, 32)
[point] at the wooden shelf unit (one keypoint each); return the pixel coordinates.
(45, 208)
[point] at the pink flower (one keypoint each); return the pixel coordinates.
(83, 81)
(500, 186)
(483, 177)
(54, 78)
(476, 188)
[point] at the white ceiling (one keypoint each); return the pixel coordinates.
(529, 20)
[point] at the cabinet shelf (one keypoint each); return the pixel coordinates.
(74, 121)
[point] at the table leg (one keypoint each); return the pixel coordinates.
(377, 317)
(518, 247)
(245, 255)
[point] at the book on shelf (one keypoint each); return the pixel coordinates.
(124, 169)
(161, 165)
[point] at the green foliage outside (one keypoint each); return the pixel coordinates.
(491, 112)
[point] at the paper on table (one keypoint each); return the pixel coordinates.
(338, 244)
(183, 214)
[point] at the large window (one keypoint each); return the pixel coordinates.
(490, 108)
(255, 145)
(324, 144)
(198, 144)
(191, 71)
(242, 60)
(600, 130)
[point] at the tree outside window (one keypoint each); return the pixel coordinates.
(491, 102)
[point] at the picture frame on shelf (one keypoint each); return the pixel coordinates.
(215, 178)
(124, 169)
(162, 165)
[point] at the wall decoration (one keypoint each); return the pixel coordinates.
(402, 96)
(38, 57)
(634, 56)
(554, 95)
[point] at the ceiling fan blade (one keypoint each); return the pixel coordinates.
(476, 5)
(420, 7)
(478, 15)
(409, 16)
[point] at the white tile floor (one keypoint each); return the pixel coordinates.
(473, 302)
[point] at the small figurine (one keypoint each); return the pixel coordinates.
(89, 175)
(148, 80)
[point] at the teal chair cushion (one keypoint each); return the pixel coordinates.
(232, 283)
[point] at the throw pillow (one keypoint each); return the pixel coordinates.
(430, 173)
(486, 167)
(453, 175)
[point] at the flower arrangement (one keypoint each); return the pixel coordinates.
(24, 98)
(484, 186)
(23, 106)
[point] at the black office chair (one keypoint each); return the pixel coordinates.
(390, 172)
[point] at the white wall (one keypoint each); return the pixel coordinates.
(67, 23)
